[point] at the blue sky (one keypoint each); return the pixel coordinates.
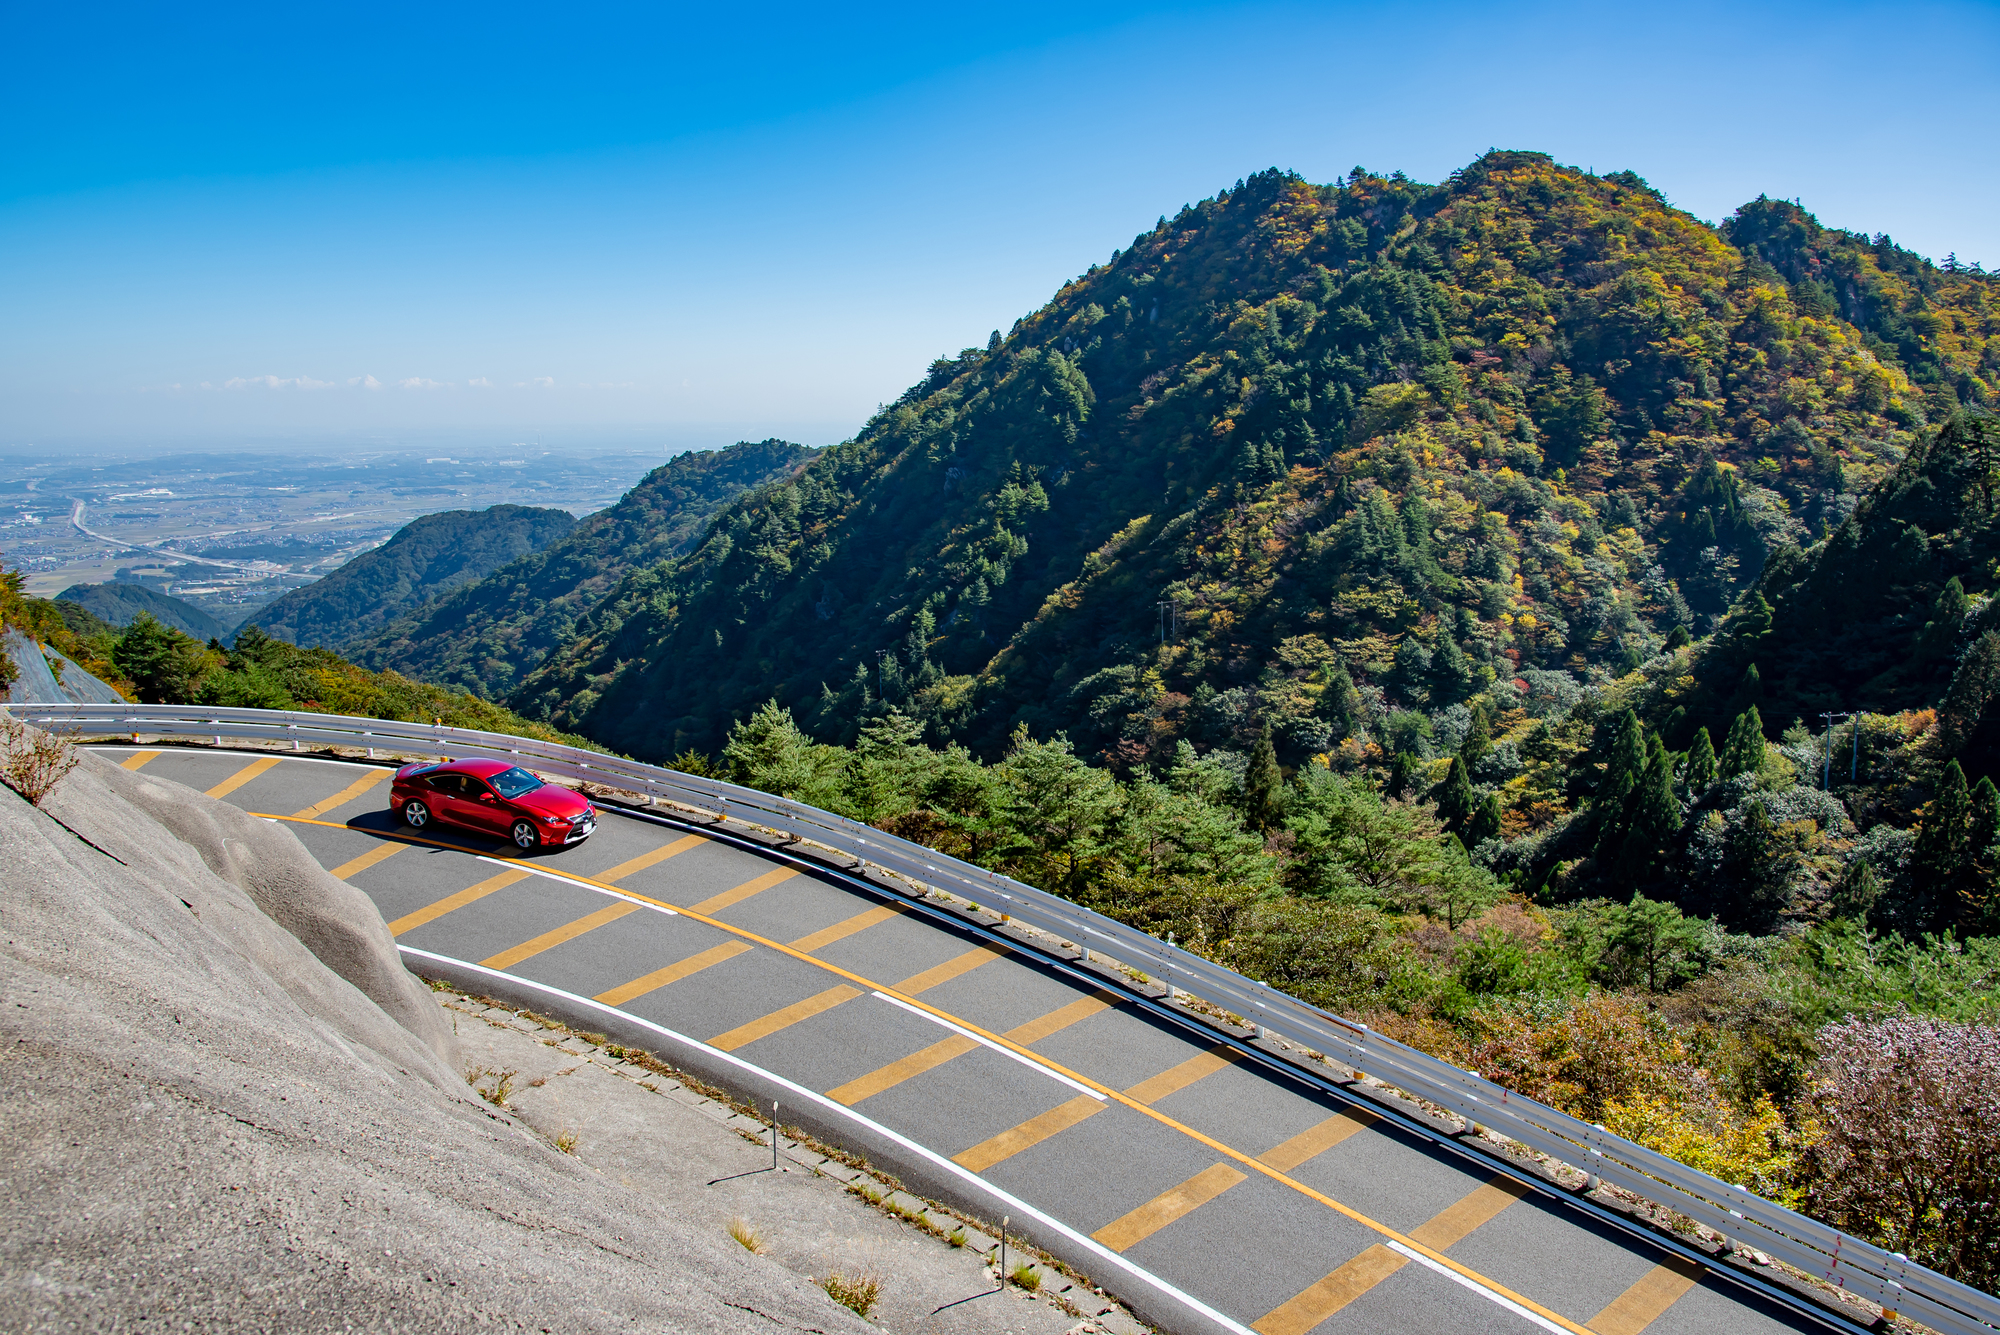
(235, 223)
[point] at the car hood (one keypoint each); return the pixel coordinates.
(554, 800)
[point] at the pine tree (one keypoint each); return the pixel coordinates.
(1340, 703)
(1743, 751)
(1944, 847)
(1698, 770)
(1979, 908)
(1940, 633)
(1455, 799)
(1759, 880)
(1485, 822)
(1625, 767)
(1656, 818)
(1402, 774)
(1263, 784)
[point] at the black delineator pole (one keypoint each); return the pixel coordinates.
(1003, 1252)
(774, 1135)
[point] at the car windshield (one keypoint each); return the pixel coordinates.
(514, 782)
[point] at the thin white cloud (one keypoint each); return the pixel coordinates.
(480, 382)
(536, 382)
(418, 382)
(272, 382)
(364, 381)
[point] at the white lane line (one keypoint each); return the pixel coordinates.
(962, 1031)
(1012, 1202)
(1532, 1318)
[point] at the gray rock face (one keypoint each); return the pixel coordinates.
(210, 1128)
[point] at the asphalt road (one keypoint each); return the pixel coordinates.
(1212, 1191)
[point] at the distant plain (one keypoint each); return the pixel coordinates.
(280, 519)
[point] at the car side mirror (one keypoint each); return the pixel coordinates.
(486, 797)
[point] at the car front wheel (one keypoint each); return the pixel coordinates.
(416, 814)
(524, 835)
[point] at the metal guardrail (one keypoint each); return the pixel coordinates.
(1747, 1221)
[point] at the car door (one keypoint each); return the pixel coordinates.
(483, 808)
(447, 797)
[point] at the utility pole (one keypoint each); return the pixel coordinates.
(1826, 780)
(1168, 610)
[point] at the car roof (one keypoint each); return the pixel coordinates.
(484, 769)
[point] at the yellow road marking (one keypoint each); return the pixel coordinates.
(1034, 1031)
(744, 1034)
(138, 760)
(1316, 1140)
(654, 858)
(673, 973)
(343, 797)
(895, 1073)
(1028, 1134)
(1365, 1271)
(409, 922)
(737, 894)
(937, 1054)
(379, 853)
(1331, 1294)
(548, 940)
(950, 969)
(1228, 1151)
(840, 931)
(1177, 1078)
(243, 776)
(1639, 1306)
(1478, 1206)
(1137, 1225)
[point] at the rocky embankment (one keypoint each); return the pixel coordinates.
(228, 1106)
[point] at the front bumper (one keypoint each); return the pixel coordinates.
(578, 833)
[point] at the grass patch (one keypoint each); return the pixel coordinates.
(1025, 1276)
(491, 1085)
(566, 1140)
(747, 1237)
(956, 1237)
(857, 1293)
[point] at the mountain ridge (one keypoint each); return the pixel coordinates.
(1416, 437)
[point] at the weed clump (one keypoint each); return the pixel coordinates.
(1025, 1276)
(857, 1293)
(747, 1237)
(33, 762)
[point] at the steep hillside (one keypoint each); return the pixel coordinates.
(120, 605)
(486, 636)
(1373, 445)
(425, 560)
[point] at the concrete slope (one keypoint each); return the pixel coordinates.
(208, 1128)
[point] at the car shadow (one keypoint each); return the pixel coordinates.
(386, 823)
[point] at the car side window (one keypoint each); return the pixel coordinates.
(474, 789)
(452, 784)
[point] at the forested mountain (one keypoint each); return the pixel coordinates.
(426, 559)
(485, 636)
(1375, 447)
(120, 605)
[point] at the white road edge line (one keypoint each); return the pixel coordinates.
(1012, 1202)
(1480, 1289)
(571, 880)
(989, 1043)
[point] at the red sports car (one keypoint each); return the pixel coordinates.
(492, 797)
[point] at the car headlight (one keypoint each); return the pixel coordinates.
(555, 820)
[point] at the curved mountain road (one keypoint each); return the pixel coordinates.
(1211, 1190)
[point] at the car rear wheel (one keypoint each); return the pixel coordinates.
(416, 814)
(524, 835)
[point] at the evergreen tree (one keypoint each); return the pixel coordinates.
(1979, 912)
(1624, 768)
(1656, 818)
(1485, 822)
(1454, 797)
(1857, 892)
(1402, 775)
(1263, 784)
(1940, 633)
(1758, 881)
(1944, 847)
(1743, 750)
(1698, 770)
(1451, 675)
(1340, 703)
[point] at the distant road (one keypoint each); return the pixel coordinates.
(253, 567)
